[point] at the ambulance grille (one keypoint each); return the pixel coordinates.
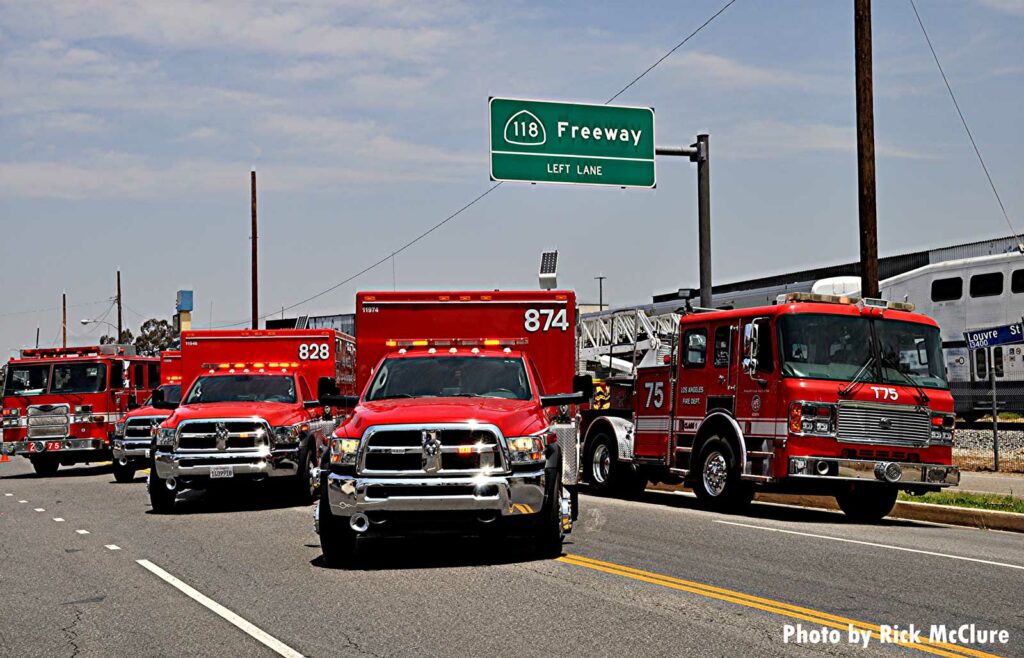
(222, 434)
(883, 423)
(137, 429)
(406, 451)
(48, 421)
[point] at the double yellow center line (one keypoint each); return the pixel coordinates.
(767, 605)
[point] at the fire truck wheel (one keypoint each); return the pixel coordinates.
(160, 497)
(337, 538)
(867, 502)
(124, 474)
(44, 465)
(606, 474)
(718, 485)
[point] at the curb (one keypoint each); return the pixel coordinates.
(965, 516)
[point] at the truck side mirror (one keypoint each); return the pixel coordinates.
(583, 384)
(750, 347)
(158, 401)
(328, 394)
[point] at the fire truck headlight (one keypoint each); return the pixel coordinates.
(164, 437)
(343, 451)
(527, 449)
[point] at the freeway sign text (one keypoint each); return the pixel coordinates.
(1004, 335)
(547, 142)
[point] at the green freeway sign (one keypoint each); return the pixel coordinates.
(546, 142)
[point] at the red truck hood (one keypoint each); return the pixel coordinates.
(512, 417)
(146, 412)
(275, 413)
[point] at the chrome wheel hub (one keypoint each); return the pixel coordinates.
(602, 464)
(716, 472)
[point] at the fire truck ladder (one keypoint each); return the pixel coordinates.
(624, 339)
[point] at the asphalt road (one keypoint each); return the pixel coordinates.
(237, 573)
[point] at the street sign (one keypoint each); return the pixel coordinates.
(1004, 335)
(548, 142)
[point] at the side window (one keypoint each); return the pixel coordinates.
(765, 353)
(154, 375)
(116, 374)
(723, 346)
(980, 365)
(138, 375)
(695, 348)
(987, 285)
(947, 290)
(304, 390)
(1017, 281)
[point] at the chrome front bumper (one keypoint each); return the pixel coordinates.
(131, 448)
(898, 473)
(38, 446)
(197, 464)
(508, 495)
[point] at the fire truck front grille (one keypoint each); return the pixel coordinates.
(137, 429)
(431, 451)
(891, 424)
(222, 435)
(48, 421)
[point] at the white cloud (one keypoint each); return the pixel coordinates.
(1009, 6)
(723, 72)
(778, 139)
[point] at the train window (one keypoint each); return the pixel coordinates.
(1017, 281)
(987, 285)
(997, 361)
(946, 290)
(695, 348)
(980, 365)
(722, 348)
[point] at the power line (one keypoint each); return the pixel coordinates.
(489, 190)
(970, 136)
(53, 308)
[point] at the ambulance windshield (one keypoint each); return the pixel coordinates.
(450, 376)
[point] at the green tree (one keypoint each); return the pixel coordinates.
(126, 338)
(154, 337)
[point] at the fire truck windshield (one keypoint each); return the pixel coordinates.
(78, 378)
(450, 376)
(242, 388)
(836, 347)
(27, 379)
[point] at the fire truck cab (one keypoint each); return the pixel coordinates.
(60, 404)
(465, 423)
(816, 394)
(249, 409)
(133, 433)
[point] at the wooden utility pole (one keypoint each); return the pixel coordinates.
(865, 150)
(117, 340)
(255, 281)
(64, 318)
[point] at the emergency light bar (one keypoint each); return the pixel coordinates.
(456, 342)
(865, 302)
(89, 350)
(255, 365)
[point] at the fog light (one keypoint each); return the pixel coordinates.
(822, 467)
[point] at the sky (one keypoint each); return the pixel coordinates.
(128, 131)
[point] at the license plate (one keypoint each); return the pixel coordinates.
(53, 445)
(222, 472)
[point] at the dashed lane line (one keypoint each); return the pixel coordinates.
(873, 544)
(112, 547)
(22, 501)
(82, 532)
(8, 494)
(246, 627)
(58, 519)
(768, 605)
(40, 509)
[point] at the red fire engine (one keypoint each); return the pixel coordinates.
(249, 410)
(60, 404)
(816, 395)
(464, 420)
(133, 434)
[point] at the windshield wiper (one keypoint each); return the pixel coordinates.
(907, 378)
(860, 373)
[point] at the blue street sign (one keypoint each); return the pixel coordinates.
(1005, 335)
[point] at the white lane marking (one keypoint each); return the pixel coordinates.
(259, 635)
(112, 547)
(82, 532)
(7, 494)
(58, 519)
(868, 543)
(40, 509)
(22, 501)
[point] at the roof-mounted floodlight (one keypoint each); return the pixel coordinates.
(548, 270)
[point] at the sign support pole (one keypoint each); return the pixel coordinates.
(699, 152)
